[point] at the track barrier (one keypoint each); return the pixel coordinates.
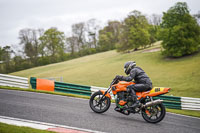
(172, 102)
(13, 81)
(61, 87)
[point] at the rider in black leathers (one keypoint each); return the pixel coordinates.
(143, 82)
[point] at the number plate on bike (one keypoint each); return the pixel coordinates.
(157, 89)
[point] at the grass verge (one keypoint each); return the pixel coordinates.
(183, 112)
(5, 128)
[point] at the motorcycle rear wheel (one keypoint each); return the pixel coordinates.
(99, 106)
(154, 114)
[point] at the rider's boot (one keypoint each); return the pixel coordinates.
(136, 102)
(118, 109)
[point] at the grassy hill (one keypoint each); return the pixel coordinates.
(182, 74)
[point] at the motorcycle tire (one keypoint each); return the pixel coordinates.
(154, 114)
(99, 106)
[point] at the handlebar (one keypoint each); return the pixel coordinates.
(114, 81)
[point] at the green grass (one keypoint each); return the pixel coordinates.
(185, 112)
(182, 74)
(5, 128)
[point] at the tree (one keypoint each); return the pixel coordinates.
(155, 19)
(5, 53)
(29, 38)
(78, 31)
(154, 27)
(72, 43)
(92, 28)
(197, 16)
(109, 36)
(134, 32)
(1, 54)
(53, 40)
(180, 31)
(18, 63)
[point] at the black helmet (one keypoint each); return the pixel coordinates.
(128, 66)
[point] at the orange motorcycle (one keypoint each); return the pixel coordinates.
(152, 111)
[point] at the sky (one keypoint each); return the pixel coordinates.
(19, 14)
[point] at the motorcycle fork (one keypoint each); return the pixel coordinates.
(104, 95)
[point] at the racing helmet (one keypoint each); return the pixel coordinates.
(128, 66)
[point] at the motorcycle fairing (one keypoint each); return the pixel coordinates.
(153, 92)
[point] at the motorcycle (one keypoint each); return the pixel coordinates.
(153, 111)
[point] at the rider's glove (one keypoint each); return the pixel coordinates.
(119, 77)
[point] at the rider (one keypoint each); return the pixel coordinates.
(143, 82)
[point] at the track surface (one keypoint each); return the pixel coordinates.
(77, 113)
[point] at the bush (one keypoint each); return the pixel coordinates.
(180, 33)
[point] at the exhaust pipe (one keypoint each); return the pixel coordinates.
(158, 101)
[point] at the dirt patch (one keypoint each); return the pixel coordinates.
(151, 50)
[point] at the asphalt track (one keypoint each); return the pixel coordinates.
(76, 112)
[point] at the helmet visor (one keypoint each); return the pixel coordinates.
(125, 70)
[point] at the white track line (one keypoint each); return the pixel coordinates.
(39, 125)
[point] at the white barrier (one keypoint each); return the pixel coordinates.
(189, 103)
(13, 81)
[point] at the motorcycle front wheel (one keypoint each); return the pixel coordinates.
(154, 114)
(98, 103)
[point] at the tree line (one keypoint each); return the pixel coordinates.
(178, 30)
